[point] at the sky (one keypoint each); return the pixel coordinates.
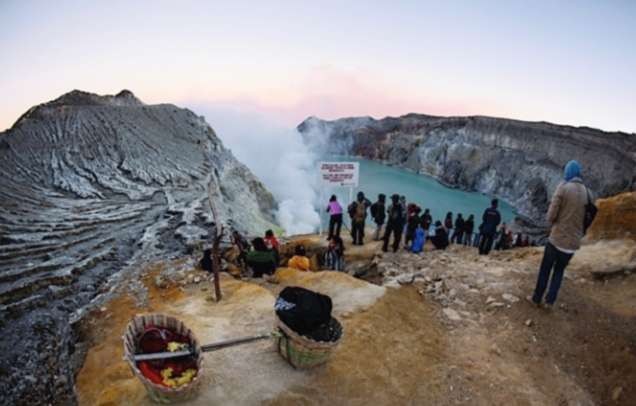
(569, 62)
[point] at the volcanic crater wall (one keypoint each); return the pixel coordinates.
(518, 161)
(91, 185)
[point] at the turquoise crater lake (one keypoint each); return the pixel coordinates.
(423, 190)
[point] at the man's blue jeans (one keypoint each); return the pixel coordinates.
(554, 262)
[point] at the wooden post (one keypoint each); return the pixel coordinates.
(216, 241)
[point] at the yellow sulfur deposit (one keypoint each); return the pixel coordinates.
(185, 378)
(175, 346)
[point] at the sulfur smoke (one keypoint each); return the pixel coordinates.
(280, 159)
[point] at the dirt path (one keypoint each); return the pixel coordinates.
(451, 327)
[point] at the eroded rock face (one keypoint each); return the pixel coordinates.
(92, 185)
(518, 161)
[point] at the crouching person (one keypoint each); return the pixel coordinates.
(299, 260)
(260, 260)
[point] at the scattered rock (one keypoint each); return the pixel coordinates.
(616, 393)
(451, 314)
(490, 300)
(494, 305)
(529, 322)
(160, 282)
(197, 279)
(510, 298)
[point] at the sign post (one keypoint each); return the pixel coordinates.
(341, 175)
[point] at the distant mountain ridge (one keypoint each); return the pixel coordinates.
(518, 161)
(93, 185)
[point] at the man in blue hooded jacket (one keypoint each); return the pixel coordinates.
(566, 214)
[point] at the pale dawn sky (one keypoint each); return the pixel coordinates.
(569, 62)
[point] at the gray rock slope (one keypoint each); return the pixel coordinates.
(518, 161)
(92, 185)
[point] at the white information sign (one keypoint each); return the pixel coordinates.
(344, 174)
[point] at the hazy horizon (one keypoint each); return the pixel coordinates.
(556, 62)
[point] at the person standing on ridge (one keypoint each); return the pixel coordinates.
(491, 219)
(378, 212)
(569, 215)
(427, 220)
(358, 212)
(394, 224)
(335, 220)
(469, 226)
(458, 234)
(448, 222)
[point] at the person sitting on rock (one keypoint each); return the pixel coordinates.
(440, 240)
(260, 260)
(299, 260)
(334, 256)
(419, 239)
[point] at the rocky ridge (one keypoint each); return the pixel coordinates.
(518, 161)
(92, 186)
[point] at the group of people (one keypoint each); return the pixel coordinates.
(402, 219)
(570, 213)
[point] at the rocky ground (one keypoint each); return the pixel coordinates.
(442, 327)
(92, 186)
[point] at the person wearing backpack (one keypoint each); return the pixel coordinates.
(571, 211)
(394, 224)
(378, 213)
(358, 213)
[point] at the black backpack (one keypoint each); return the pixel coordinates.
(590, 212)
(311, 309)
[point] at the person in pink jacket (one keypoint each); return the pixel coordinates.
(335, 220)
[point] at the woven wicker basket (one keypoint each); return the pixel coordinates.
(302, 352)
(159, 393)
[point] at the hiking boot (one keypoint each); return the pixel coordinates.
(531, 301)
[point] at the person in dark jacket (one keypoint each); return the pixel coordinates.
(358, 213)
(335, 217)
(448, 222)
(394, 224)
(427, 220)
(378, 212)
(469, 226)
(458, 232)
(440, 240)
(491, 219)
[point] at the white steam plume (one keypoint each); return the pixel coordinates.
(278, 157)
